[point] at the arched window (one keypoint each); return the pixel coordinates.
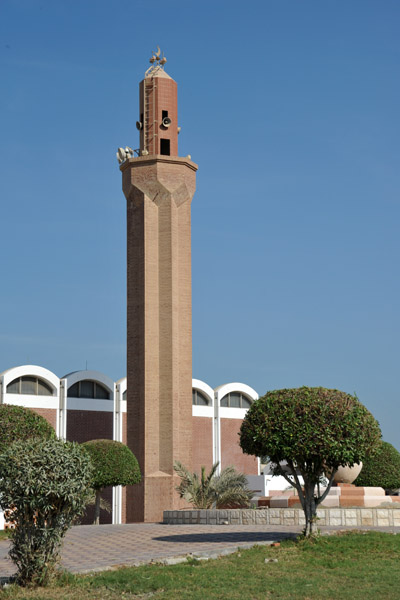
(88, 389)
(124, 395)
(235, 400)
(199, 399)
(33, 386)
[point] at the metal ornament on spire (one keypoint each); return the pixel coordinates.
(157, 63)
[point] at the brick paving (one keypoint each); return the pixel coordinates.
(88, 547)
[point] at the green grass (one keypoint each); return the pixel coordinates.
(353, 566)
(4, 534)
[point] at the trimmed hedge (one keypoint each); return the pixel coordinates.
(113, 464)
(382, 469)
(20, 423)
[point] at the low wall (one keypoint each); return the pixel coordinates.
(334, 517)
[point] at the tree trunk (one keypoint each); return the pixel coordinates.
(97, 508)
(310, 508)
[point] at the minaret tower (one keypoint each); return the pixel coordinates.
(159, 186)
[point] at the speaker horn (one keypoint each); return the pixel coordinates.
(166, 122)
(139, 125)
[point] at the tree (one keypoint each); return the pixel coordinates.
(20, 423)
(382, 469)
(46, 484)
(315, 430)
(227, 490)
(113, 464)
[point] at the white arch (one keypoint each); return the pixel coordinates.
(31, 371)
(204, 388)
(228, 388)
(222, 412)
(29, 400)
(90, 403)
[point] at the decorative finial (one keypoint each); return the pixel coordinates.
(157, 62)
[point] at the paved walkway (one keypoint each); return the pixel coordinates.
(90, 547)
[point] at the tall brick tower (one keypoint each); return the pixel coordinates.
(159, 186)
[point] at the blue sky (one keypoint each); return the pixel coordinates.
(290, 109)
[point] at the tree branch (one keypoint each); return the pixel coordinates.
(298, 484)
(324, 495)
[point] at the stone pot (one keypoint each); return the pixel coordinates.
(348, 474)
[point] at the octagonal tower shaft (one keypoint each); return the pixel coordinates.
(159, 189)
(158, 100)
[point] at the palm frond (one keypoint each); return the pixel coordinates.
(229, 489)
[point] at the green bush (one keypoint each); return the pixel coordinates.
(113, 464)
(46, 483)
(314, 430)
(382, 469)
(20, 423)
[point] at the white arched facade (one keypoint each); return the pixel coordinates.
(59, 406)
(48, 405)
(223, 413)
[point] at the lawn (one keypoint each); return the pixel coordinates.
(350, 565)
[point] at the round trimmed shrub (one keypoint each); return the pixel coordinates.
(381, 469)
(20, 423)
(46, 483)
(113, 464)
(313, 430)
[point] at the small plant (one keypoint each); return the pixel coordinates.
(46, 482)
(382, 469)
(113, 464)
(20, 423)
(227, 490)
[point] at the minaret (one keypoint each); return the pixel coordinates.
(159, 187)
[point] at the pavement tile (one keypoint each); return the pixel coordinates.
(90, 547)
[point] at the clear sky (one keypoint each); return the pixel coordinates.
(290, 109)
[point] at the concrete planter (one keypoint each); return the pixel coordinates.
(348, 474)
(334, 517)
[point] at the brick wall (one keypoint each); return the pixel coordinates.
(202, 443)
(49, 414)
(105, 517)
(85, 425)
(231, 453)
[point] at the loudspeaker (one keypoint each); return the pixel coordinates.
(166, 122)
(139, 125)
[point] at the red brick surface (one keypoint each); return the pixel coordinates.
(202, 443)
(49, 414)
(162, 94)
(352, 500)
(231, 453)
(159, 333)
(105, 517)
(84, 425)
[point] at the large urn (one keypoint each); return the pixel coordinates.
(348, 474)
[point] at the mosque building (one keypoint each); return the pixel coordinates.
(158, 410)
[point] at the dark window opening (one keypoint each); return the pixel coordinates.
(88, 389)
(164, 114)
(199, 399)
(165, 147)
(30, 385)
(235, 400)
